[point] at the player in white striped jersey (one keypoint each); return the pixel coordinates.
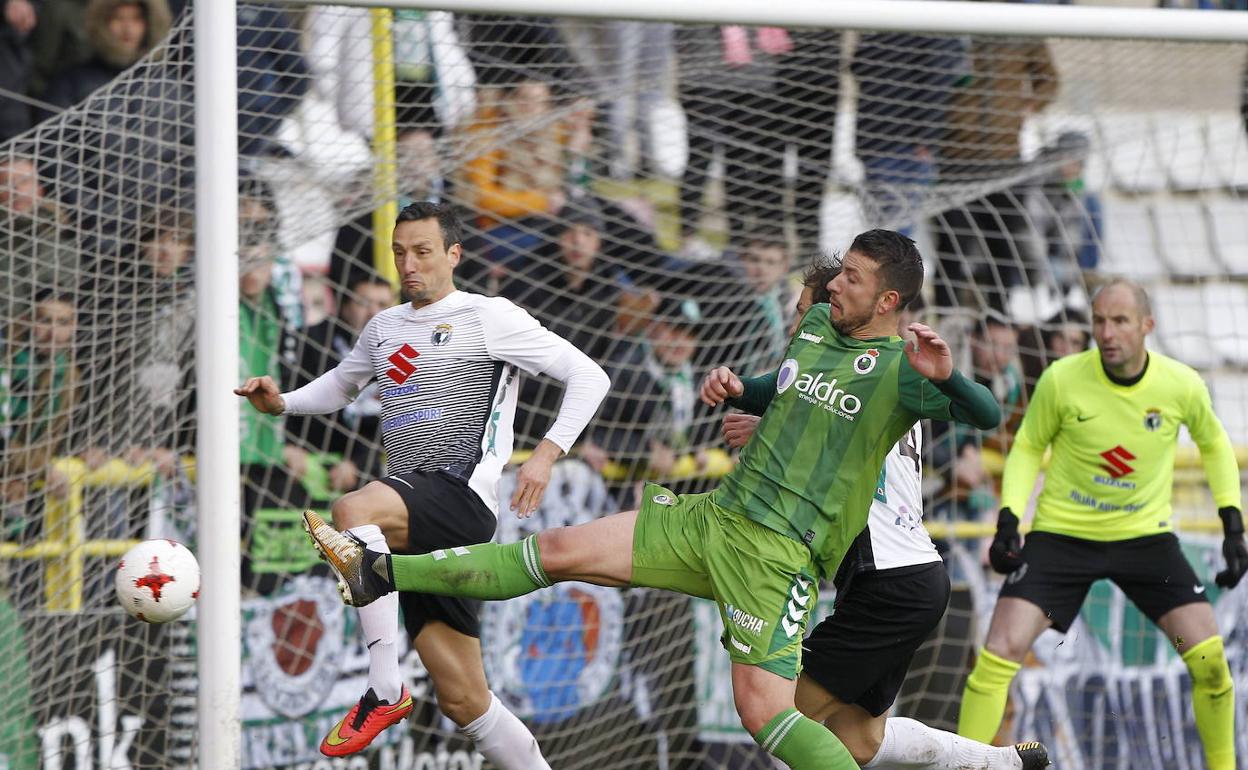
(891, 592)
(448, 365)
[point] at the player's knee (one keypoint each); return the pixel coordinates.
(350, 511)
(1003, 645)
(755, 714)
(863, 747)
(558, 550)
(462, 705)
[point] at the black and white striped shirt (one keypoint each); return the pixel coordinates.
(448, 375)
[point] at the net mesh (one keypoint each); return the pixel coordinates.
(650, 192)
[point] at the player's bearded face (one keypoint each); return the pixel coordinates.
(855, 293)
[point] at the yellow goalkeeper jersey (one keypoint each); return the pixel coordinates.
(1111, 472)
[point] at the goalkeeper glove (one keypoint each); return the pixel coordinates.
(1006, 552)
(1233, 548)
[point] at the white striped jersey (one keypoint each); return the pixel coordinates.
(448, 375)
(895, 535)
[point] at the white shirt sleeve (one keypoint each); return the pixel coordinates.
(515, 337)
(338, 387)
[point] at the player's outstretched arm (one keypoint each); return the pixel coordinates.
(263, 394)
(751, 394)
(929, 354)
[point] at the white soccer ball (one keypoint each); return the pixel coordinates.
(157, 581)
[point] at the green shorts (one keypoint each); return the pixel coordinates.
(762, 581)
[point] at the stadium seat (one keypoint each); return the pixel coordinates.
(1226, 306)
(1183, 325)
(1130, 247)
(1127, 141)
(1230, 401)
(1183, 237)
(1228, 148)
(1183, 149)
(1228, 219)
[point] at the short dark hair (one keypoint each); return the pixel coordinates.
(899, 261)
(448, 221)
(819, 274)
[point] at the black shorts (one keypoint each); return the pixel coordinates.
(1058, 571)
(862, 652)
(442, 512)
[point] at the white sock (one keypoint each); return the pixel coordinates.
(380, 623)
(911, 745)
(504, 740)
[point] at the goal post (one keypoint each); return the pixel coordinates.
(617, 115)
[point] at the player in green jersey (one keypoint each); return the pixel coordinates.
(1111, 417)
(847, 391)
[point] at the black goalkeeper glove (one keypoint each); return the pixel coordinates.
(1006, 552)
(1233, 548)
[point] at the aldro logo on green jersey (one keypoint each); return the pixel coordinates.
(827, 394)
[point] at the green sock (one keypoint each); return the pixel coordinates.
(804, 744)
(1213, 700)
(983, 700)
(484, 571)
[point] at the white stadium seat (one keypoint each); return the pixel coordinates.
(1129, 246)
(1183, 237)
(1228, 219)
(1183, 325)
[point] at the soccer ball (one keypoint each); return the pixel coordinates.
(157, 581)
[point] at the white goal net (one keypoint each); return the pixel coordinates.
(652, 192)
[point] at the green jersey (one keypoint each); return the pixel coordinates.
(830, 414)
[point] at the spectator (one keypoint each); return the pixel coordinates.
(434, 79)
(259, 236)
(503, 48)
(1059, 336)
(524, 163)
(574, 292)
(905, 83)
(958, 450)
(17, 22)
(272, 76)
(1009, 80)
(728, 89)
(420, 179)
(40, 382)
(766, 264)
(35, 253)
(119, 33)
(59, 42)
(1065, 214)
(648, 418)
(810, 85)
(353, 435)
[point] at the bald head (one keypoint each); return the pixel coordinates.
(1143, 304)
(1122, 316)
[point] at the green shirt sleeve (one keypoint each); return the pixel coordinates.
(1216, 452)
(757, 394)
(958, 398)
(1040, 424)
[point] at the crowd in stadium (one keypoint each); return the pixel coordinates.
(574, 104)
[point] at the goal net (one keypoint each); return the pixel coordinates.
(651, 192)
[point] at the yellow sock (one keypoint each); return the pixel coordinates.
(983, 700)
(1213, 700)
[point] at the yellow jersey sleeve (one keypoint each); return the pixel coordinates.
(1111, 470)
(1216, 452)
(1039, 426)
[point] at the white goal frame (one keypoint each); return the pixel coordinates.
(216, 209)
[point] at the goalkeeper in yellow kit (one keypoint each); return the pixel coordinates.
(1111, 417)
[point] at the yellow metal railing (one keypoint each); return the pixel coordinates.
(65, 548)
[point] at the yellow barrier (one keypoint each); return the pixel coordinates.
(65, 548)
